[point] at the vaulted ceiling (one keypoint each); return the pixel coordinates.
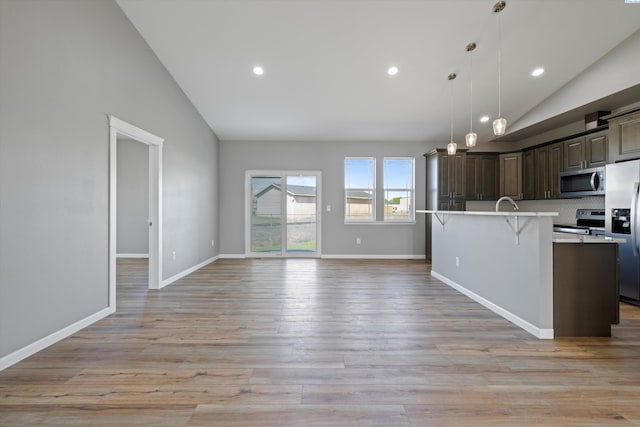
(325, 61)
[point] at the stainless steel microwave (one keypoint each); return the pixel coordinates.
(583, 182)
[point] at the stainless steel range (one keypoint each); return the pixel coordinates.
(588, 221)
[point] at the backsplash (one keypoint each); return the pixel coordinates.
(566, 208)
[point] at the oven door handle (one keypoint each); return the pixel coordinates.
(634, 218)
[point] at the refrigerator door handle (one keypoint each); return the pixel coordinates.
(634, 218)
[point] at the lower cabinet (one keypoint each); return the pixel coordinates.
(585, 289)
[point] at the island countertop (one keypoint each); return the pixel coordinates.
(583, 238)
(489, 213)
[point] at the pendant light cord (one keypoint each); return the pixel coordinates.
(471, 91)
(451, 111)
(499, 67)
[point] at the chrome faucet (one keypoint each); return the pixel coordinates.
(507, 198)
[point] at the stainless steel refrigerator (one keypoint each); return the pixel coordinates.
(622, 190)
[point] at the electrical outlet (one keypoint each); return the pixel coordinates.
(173, 255)
(457, 261)
(358, 241)
(213, 243)
(328, 208)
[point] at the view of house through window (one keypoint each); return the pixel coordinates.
(398, 189)
(359, 188)
(397, 192)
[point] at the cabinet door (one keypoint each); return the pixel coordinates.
(457, 174)
(555, 167)
(489, 177)
(443, 177)
(624, 137)
(528, 175)
(540, 174)
(574, 154)
(511, 175)
(597, 149)
(472, 190)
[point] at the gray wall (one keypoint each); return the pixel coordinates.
(328, 157)
(516, 277)
(65, 65)
(132, 235)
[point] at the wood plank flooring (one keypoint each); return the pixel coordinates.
(314, 343)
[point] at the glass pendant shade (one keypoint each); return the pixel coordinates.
(452, 147)
(499, 126)
(471, 138)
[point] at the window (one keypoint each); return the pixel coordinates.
(359, 189)
(398, 174)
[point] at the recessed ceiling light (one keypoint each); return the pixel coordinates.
(537, 72)
(392, 71)
(484, 119)
(258, 70)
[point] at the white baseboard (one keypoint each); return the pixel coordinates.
(365, 256)
(186, 272)
(41, 344)
(232, 256)
(132, 255)
(516, 320)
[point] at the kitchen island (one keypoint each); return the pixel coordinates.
(508, 262)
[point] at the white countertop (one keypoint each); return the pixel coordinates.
(490, 213)
(583, 238)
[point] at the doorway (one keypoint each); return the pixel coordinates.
(283, 211)
(120, 129)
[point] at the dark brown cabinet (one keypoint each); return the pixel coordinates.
(528, 175)
(588, 151)
(445, 186)
(511, 175)
(451, 179)
(624, 136)
(597, 149)
(482, 176)
(547, 167)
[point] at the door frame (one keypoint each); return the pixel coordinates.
(117, 128)
(247, 220)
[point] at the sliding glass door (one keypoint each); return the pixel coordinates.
(283, 217)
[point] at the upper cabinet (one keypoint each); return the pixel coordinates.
(547, 167)
(597, 149)
(624, 135)
(584, 152)
(482, 176)
(528, 175)
(446, 180)
(511, 175)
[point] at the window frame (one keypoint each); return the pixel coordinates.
(373, 190)
(412, 190)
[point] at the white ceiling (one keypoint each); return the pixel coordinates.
(325, 61)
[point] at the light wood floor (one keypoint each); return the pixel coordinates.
(319, 342)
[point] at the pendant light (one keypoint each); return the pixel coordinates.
(452, 147)
(471, 138)
(499, 124)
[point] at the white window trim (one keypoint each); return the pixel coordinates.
(374, 190)
(412, 219)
